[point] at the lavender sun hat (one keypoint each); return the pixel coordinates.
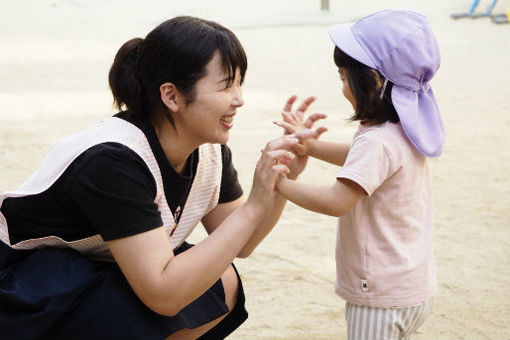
(401, 46)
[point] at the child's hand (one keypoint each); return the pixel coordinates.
(293, 124)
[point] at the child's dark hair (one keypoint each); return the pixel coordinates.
(365, 83)
(176, 51)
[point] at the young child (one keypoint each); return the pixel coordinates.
(382, 194)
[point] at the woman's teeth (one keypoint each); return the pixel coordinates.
(227, 119)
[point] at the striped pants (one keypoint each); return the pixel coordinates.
(371, 323)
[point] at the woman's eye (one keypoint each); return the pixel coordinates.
(225, 86)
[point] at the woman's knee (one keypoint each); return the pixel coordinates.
(230, 286)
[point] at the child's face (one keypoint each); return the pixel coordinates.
(346, 89)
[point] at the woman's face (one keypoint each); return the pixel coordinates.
(346, 89)
(209, 118)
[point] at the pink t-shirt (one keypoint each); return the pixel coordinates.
(384, 253)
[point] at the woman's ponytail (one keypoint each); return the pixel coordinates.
(123, 79)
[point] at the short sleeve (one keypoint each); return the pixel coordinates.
(115, 189)
(367, 164)
(230, 188)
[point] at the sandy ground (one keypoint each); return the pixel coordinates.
(54, 59)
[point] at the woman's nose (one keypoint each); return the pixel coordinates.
(237, 99)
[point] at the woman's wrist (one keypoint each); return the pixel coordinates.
(253, 210)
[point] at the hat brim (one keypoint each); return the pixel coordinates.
(420, 119)
(345, 40)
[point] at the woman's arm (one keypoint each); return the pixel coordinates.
(216, 216)
(167, 283)
(212, 220)
(221, 211)
(334, 201)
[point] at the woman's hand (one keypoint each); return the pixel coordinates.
(271, 166)
(294, 123)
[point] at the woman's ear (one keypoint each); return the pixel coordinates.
(170, 96)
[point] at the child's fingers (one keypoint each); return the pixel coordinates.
(313, 118)
(319, 131)
(289, 103)
(303, 135)
(286, 126)
(288, 117)
(304, 105)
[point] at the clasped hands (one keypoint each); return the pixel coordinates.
(286, 156)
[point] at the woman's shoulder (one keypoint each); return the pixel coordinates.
(108, 153)
(110, 161)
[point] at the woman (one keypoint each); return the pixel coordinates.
(127, 192)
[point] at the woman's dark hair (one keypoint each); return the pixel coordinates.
(176, 51)
(364, 83)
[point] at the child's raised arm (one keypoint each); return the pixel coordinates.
(334, 201)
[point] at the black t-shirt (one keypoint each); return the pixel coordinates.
(109, 190)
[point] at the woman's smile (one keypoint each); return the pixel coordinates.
(227, 121)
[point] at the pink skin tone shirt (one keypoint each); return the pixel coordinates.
(384, 252)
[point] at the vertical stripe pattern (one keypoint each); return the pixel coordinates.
(373, 323)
